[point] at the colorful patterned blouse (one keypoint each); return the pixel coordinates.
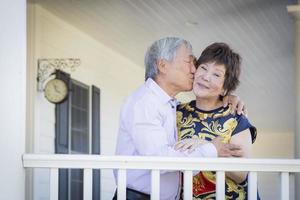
(195, 123)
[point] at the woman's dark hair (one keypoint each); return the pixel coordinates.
(222, 54)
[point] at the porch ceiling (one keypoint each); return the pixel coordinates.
(262, 31)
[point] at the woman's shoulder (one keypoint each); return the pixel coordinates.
(243, 124)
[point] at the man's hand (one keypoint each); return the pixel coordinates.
(226, 150)
(189, 144)
(237, 105)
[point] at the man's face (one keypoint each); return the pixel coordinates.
(181, 70)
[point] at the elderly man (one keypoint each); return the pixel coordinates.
(148, 118)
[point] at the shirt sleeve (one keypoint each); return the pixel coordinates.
(151, 139)
(243, 124)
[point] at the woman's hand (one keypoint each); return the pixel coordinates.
(189, 144)
(227, 149)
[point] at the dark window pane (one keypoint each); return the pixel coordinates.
(79, 142)
(76, 179)
(80, 118)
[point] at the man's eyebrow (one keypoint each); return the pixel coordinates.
(190, 57)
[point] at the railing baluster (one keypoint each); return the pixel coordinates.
(155, 184)
(87, 184)
(285, 185)
(54, 162)
(54, 184)
(188, 185)
(252, 185)
(121, 184)
(220, 187)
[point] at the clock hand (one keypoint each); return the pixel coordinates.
(56, 89)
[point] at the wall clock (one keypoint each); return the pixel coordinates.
(56, 90)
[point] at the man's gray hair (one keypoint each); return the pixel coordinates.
(164, 48)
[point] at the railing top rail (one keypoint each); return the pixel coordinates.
(162, 163)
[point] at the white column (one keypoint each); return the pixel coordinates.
(295, 11)
(297, 133)
(13, 97)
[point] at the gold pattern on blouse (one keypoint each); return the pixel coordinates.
(215, 128)
(233, 187)
(189, 123)
(211, 129)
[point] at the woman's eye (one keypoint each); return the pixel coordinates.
(204, 68)
(217, 75)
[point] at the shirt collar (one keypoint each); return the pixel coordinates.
(159, 92)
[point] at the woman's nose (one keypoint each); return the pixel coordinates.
(206, 76)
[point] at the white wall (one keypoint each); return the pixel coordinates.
(111, 72)
(13, 98)
(116, 76)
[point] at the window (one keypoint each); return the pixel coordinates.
(78, 132)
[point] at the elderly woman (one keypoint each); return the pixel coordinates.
(217, 75)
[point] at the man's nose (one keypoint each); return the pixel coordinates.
(193, 68)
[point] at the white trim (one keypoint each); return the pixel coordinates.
(161, 163)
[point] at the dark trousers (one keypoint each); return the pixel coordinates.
(133, 195)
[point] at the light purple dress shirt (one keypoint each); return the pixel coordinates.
(148, 128)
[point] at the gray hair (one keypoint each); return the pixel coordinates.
(164, 48)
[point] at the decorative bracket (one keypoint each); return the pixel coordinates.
(46, 67)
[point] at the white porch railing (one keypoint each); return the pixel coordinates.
(187, 165)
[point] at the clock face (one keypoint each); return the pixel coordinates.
(56, 91)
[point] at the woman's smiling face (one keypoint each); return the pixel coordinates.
(209, 80)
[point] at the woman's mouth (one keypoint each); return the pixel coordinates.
(202, 86)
